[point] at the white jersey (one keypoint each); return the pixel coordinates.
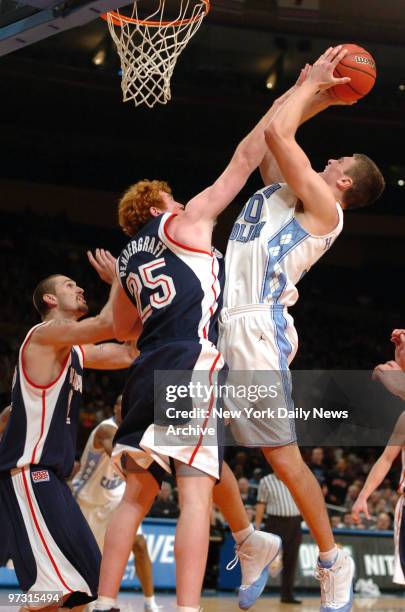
(97, 483)
(269, 251)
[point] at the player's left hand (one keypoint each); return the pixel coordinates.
(400, 350)
(391, 376)
(321, 73)
(104, 264)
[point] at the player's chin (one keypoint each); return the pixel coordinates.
(83, 309)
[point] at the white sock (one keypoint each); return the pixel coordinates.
(240, 536)
(150, 600)
(105, 603)
(328, 558)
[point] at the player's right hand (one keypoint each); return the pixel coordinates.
(360, 505)
(104, 264)
(396, 335)
(321, 73)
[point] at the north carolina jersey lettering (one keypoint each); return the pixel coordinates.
(96, 482)
(176, 289)
(268, 250)
(43, 420)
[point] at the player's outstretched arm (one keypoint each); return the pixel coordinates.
(248, 156)
(377, 474)
(391, 375)
(109, 355)
(65, 332)
(294, 165)
(269, 169)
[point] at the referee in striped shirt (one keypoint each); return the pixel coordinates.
(284, 519)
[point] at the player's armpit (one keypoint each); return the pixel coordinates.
(65, 332)
(269, 170)
(109, 356)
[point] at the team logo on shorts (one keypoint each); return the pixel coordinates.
(40, 476)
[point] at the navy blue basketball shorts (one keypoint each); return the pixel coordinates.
(161, 425)
(49, 540)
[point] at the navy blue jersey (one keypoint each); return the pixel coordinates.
(176, 289)
(43, 422)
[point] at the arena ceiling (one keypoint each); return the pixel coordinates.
(63, 120)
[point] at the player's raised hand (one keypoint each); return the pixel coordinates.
(321, 72)
(390, 374)
(360, 505)
(303, 74)
(396, 335)
(104, 264)
(400, 350)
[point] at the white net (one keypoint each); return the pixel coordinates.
(149, 48)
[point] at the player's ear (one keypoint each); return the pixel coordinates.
(50, 299)
(155, 212)
(344, 183)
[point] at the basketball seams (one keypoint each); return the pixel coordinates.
(358, 68)
(356, 91)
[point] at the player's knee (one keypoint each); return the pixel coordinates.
(288, 470)
(140, 547)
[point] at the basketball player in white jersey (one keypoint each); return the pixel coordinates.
(392, 376)
(98, 490)
(50, 542)
(186, 313)
(282, 231)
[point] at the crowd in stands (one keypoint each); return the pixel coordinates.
(32, 247)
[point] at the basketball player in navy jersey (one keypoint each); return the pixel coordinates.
(171, 282)
(50, 542)
(282, 231)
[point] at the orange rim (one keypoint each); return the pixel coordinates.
(117, 18)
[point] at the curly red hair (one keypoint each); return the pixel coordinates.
(134, 206)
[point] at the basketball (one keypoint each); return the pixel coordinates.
(359, 65)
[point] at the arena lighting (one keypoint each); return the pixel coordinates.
(99, 57)
(401, 182)
(401, 87)
(271, 80)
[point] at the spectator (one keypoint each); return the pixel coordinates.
(164, 504)
(338, 482)
(335, 522)
(317, 465)
(383, 522)
(348, 522)
(248, 497)
(352, 494)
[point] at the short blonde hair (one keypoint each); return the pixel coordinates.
(134, 206)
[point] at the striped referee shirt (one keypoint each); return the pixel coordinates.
(276, 496)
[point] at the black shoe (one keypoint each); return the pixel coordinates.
(290, 600)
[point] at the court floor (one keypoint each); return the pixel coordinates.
(228, 603)
(133, 602)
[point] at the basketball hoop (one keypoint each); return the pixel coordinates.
(149, 47)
